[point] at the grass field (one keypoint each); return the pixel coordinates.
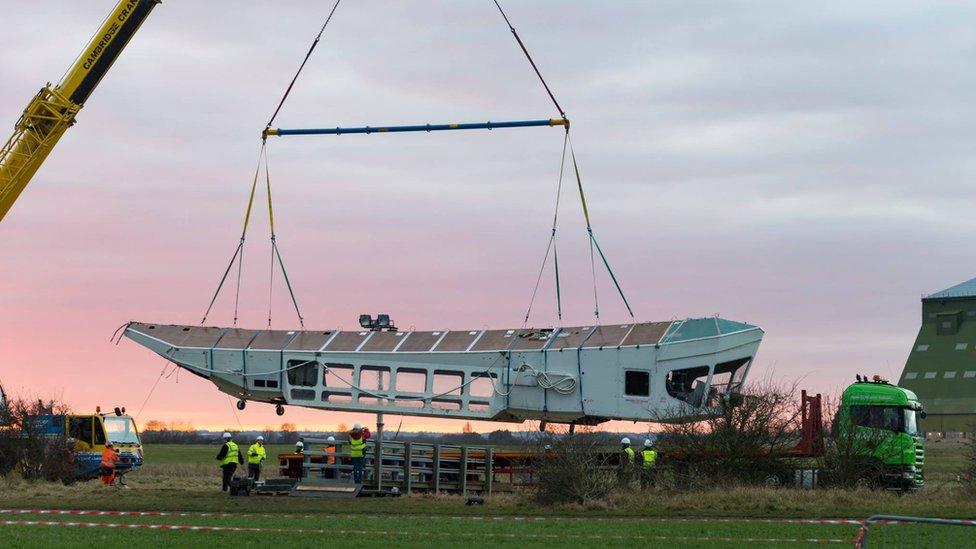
(181, 485)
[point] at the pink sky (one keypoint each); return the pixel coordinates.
(803, 169)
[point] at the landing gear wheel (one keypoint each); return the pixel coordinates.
(280, 410)
(241, 404)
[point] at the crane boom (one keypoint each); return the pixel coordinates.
(52, 111)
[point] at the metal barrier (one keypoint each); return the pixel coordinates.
(406, 466)
(862, 537)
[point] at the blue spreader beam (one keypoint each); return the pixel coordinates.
(419, 128)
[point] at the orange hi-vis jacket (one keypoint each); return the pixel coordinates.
(109, 457)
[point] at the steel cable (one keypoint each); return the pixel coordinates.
(531, 62)
(302, 66)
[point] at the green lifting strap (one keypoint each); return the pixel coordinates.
(276, 253)
(593, 241)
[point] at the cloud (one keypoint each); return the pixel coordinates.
(803, 167)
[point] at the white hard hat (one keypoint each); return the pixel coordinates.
(227, 435)
(625, 440)
(330, 439)
(261, 438)
(299, 444)
(357, 427)
(647, 442)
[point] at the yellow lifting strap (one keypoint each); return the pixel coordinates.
(238, 256)
(239, 251)
(254, 186)
(267, 178)
(579, 182)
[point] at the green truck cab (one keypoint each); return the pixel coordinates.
(879, 424)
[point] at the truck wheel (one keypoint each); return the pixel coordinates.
(241, 404)
(280, 410)
(774, 480)
(865, 482)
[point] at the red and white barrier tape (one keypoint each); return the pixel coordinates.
(94, 512)
(186, 527)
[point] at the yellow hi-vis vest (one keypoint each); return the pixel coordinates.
(356, 447)
(650, 456)
(256, 453)
(231, 456)
(630, 454)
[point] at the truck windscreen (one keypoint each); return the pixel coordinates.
(911, 422)
(120, 429)
(888, 418)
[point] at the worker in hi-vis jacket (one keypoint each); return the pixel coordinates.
(256, 455)
(229, 458)
(357, 450)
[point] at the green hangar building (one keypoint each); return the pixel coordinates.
(941, 367)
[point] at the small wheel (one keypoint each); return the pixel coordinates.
(280, 410)
(241, 404)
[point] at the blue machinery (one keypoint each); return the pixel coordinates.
(419, 128)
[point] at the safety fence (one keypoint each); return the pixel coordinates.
(404, 466)
(928, 532)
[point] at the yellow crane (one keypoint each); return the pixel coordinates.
(52, 111)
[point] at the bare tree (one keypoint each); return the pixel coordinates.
(175, 432)
(288, 434)
(33, 442)
(742, 442)
(574, 468)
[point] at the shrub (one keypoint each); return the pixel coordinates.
(968, 475)
(27, 449)
(572, 469)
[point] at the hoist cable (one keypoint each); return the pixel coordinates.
(267, 177)
(271, 283)
(531, 62)
(240, 273)
(239, 252)
(596, 299)
(555, 219)
(152, 390)
(276, 253)
(284, 273)
(593, 241)
(551, 247)
(233, 258)
(538, 280)
(302, 66)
